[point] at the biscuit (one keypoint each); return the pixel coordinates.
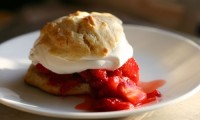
(81, 34)
(72, 37)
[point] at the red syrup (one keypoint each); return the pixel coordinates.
(150, 86)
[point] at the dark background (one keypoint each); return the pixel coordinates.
(21, 16)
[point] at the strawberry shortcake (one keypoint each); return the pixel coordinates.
(87, 53)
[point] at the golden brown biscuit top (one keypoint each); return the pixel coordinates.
(82, 34)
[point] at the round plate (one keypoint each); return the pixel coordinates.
(160, 55)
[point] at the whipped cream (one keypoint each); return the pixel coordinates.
(40, 54)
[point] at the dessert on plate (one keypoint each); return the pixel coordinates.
(88, 53)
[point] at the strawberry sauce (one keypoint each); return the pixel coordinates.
(110, 90)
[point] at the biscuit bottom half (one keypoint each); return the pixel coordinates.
(40, 80)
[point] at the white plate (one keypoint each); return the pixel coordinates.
(160, 54)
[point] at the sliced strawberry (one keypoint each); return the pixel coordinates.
(99, 78)
(103, 92)
(131, 70)
(117, 72)
(112, 104)
(113, 82)
(42, 69)
(148, 100)
(132, 94)
(86, 75)
(155, 93)
(97, 84)
(99, 74)
(152, 97)
(128, 81)
(110, 88)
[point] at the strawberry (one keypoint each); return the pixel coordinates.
(130, 69)
(128, 81)
(86, 75)
(148, 100)
(99, 74)
(155, 93)
(112, 104)
(110, 88)
(113, 82)
(97, 84)
(131, 93)
(116, 72)
(103, 92)
(42, 69)
(153, 96)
